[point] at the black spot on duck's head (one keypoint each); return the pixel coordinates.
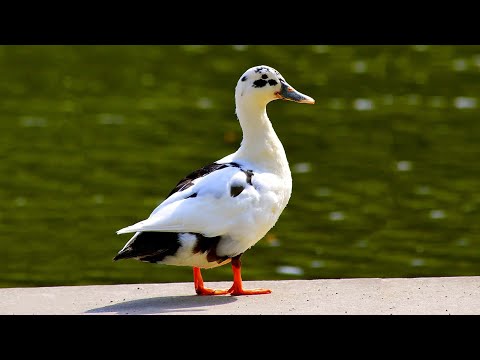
(259, 82)
(262, 84)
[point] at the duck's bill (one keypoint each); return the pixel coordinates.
(289, 93)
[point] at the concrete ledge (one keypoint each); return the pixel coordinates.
(440, 295)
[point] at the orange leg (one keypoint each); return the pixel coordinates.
(200, 288)
(237, 288)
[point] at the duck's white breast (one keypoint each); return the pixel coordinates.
(261, 204)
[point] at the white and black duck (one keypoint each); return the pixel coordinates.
(216, 213)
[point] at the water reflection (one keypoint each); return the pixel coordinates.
(302, 168)
(404, 165)
(317, 264)
(363, 104)
(417, 262)
(437, 214)
(359, 67)
(272, 240)
(204, 103)
(463, 102)
(33, 121)
(240, 47)
(336, 216)
(290, 270)
(459, 65)
(361, 243)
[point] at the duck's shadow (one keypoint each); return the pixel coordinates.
(158, 305)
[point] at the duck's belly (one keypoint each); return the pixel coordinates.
(185, 257)
(197, 250)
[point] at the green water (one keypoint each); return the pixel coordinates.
(386, 171)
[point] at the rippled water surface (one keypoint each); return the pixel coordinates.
(386, 164)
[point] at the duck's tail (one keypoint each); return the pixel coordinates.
(149, 246)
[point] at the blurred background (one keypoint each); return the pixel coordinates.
(385, 165)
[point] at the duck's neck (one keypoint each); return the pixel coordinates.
(260, 144)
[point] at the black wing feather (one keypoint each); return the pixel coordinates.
(187, 181)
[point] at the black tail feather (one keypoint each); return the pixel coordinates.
(123, 254)
(151, 246)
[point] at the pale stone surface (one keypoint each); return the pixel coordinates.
(436, 295)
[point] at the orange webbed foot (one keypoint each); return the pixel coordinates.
(237, 287)
(206, 291)
(236, 291)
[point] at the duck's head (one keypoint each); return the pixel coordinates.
(262, 84)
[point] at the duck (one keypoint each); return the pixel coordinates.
(219, 211)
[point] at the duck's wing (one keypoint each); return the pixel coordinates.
(206, 201)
